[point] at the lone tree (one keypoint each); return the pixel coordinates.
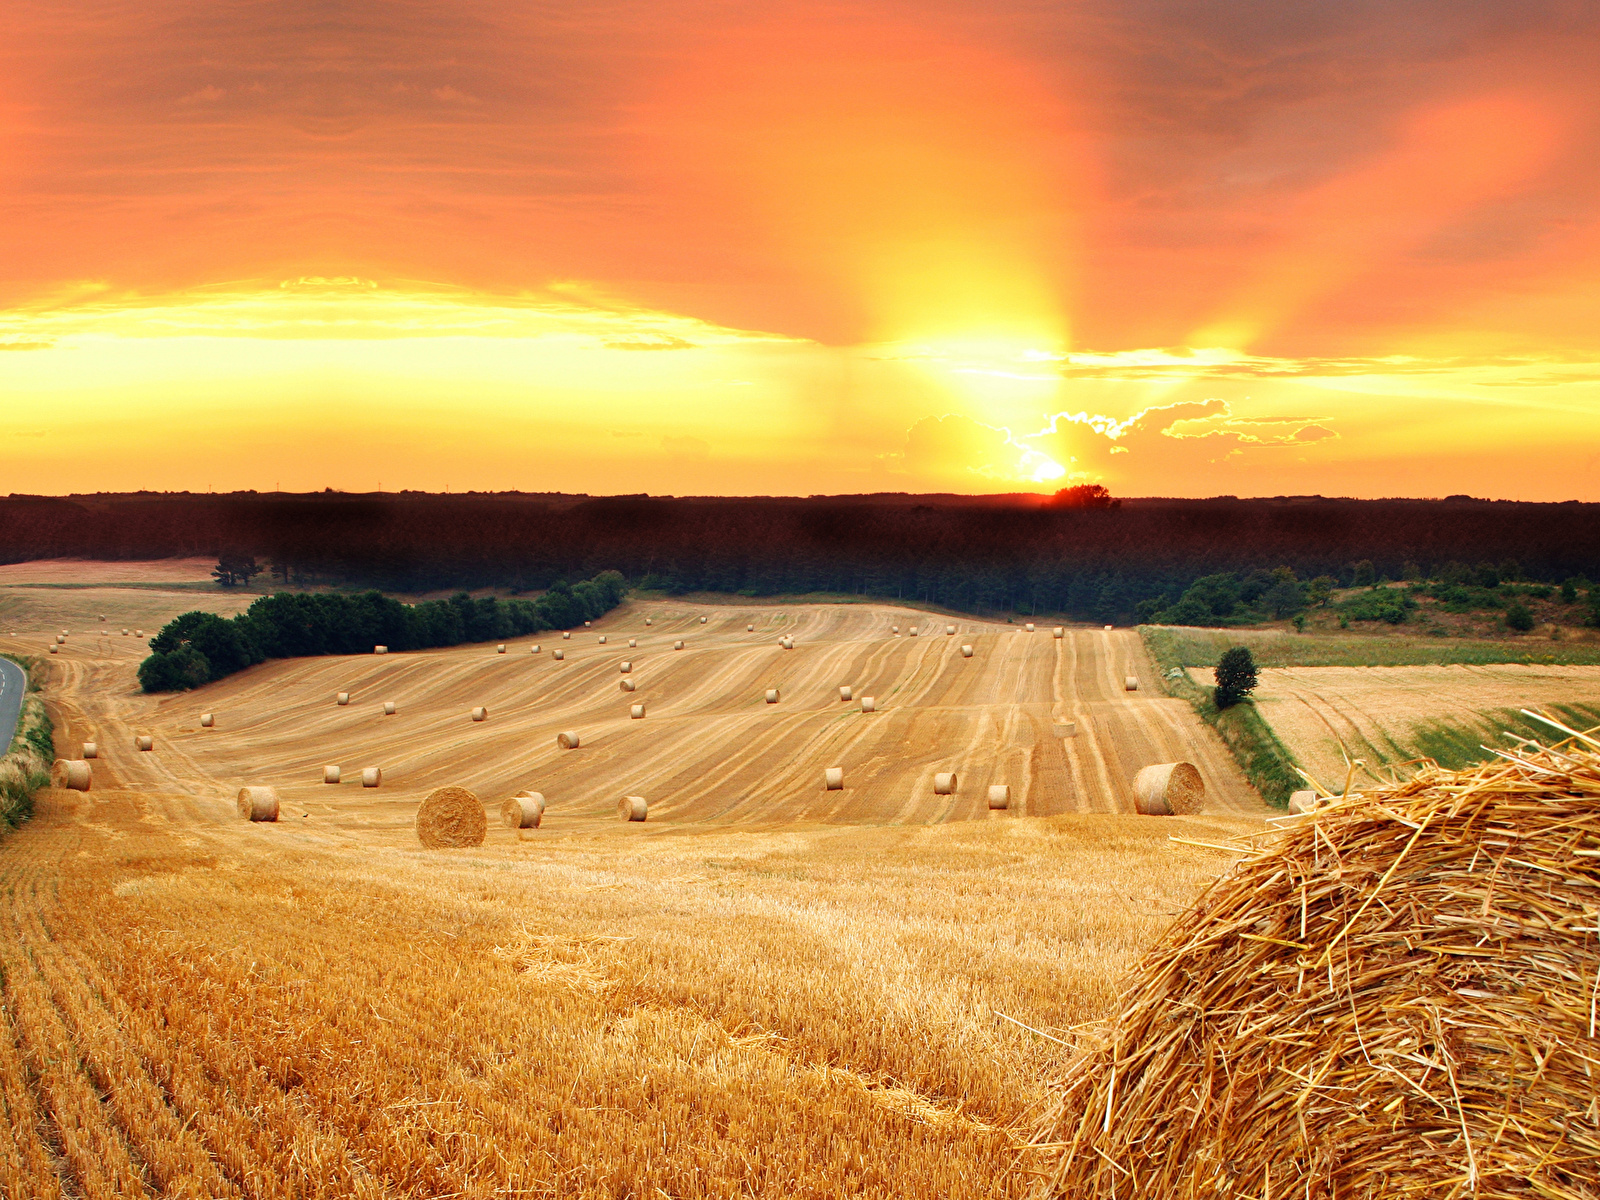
(1236, 676)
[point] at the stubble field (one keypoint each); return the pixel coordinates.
(765, 989)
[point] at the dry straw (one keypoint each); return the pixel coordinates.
(480, 714)
(772, 695)
(207, 720)
(1398, 996)
(371, 776)
(649, 621)
(61, 639)
(913, 631)
(568, 740)
(73, 774)
(1130, 683)
(523, 811)
(944, 783)
(627, 685)
(1065, 729)
(999, 795)
(1169, 789)
(451, 817)
(138, 633)
(869, 704)
(144, 742)
(258, 803)
(91, 750)
(633, 808)
(1303, 801)
(331, 774)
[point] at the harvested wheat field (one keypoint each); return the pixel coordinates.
(765, 989)
(1396, 714)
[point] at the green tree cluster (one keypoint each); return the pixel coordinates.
(200, 647)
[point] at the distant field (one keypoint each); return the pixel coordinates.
(80, 570)
(1395, 714)
(1277, 648)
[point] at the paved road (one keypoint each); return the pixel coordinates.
(13, 686)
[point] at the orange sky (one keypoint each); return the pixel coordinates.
(696, 246)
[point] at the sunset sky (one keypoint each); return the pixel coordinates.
(1178, 247)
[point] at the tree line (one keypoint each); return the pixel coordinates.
(200, 647)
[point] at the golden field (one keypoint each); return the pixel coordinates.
(765, 989)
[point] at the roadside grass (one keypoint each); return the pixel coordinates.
(1190, 647)
(1265, 761)
(25, 767)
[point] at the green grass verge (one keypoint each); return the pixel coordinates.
(25, 767)
(1265, 761)
(1188, 647)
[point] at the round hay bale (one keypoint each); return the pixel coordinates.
(833, 779)
(868, 704)
(523, 811)
(1057, 632)
(895, 628)
(91, 750)
(1029, 626)
(380, 649)
(480, 714)
(1413, 978)
(1130, 683)
(534, 649)
(628, 685)
(124, 633)
(633, 643)
(1169, 789)
(1108, 628)
(138, 633)
(258, 803)
(677, 645)
(702, 620)
(749, 628)
(73, 774)
(966, 652)
(451, 817)
(565, 636)
(1304, 801)
(207, 720)
(102, 617)
(330, 773)
(568, 740)
(845, 694)
(627, 667)
(999, 795)
(342, 698)
(61, 639)
(913, 631)
(602, 639)
(788, 643)
(144, 742)
(636, 712)
(54, 649)
(389, 708)
(371, 776)
(944, 783)
(633, 808)
(500, 649)
(649, 621)
(558, 655)
(1065, 729)
(772, 695)
(949, 630)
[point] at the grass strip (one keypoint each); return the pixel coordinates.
(1190, 647)
(1265, 761)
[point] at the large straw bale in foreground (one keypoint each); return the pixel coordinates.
(1394, 998)
(1169, 789)
(451, 817)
